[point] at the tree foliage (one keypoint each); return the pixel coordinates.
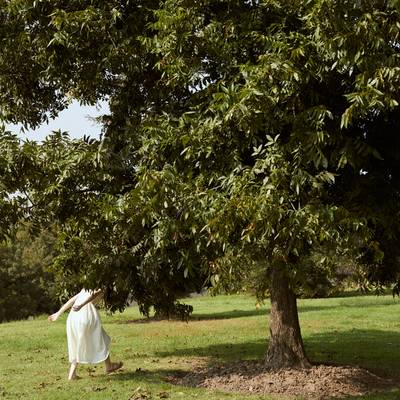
(27, 284)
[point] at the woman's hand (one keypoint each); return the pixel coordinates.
(53, 317)
(77, 307)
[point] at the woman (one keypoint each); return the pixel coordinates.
(88, 343)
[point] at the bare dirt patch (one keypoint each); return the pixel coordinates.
(318, 382)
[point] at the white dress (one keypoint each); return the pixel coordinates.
(88, 343)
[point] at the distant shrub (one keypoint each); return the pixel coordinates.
(26, 285)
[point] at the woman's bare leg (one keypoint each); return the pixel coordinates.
(72, 371)
(112, 366)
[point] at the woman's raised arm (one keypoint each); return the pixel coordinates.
(65, 307)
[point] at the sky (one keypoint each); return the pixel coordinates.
(75, 120)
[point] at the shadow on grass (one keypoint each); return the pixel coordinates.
(229, 314)
(390, 395)
(148, 376)
(351, 293)
(264, 311)
(375, 350)
(224, 352)
(203, 317)
(174, 376)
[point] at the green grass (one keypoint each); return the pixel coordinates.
(363, 331)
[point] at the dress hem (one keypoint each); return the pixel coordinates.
(91, 362)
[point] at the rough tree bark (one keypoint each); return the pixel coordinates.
(285, 349)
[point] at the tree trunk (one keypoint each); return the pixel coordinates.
(285, 349)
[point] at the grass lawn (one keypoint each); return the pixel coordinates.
(363, 331)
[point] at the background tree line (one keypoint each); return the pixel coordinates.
(27, 284)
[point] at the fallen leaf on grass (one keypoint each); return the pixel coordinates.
(140, 394)
(98, 388)
(41, 385)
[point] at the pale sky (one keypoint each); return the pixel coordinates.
(75, 120)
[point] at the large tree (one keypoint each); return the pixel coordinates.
(249, 140)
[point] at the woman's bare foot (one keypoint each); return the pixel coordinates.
(114, 367)
(72, 372)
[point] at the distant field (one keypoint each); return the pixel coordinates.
(363, 331)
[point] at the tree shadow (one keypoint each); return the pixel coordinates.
(229, 314)
(369, 303)
(389, 395)
(140, 375)
(375, 350)
(204, 317)
(148, 376)
(223, 352)
(248, 370)
(263, 311)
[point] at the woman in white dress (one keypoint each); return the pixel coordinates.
(88, 343)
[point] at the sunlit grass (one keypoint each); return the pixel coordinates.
(363, 331)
